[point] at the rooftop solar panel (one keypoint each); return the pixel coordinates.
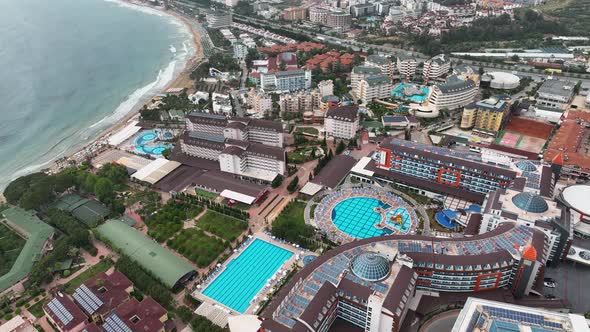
(60, 311)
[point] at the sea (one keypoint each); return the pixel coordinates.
(70, 69)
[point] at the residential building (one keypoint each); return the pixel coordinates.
(216, 128)
(436, 67)
(467, 72)
(568, 148)
(454, 93)
(361, 10)
(326, 88)
(64, 314)
(252, 160)
(342, 121)
(382, 62)
(290, 81)
(486, 116)
(301, 101)
(378, 300)
(406, 66)
(361, 72)
(135, 316)
(261, 103)
(217, 19)
(221, 104)
(295, 14)
(400, 122)
(374, 87)
(318, 15)
(104, 303)
(486, 315)
(256, 131)
(339, 19)
(240, 51)
(17, 324)
(555, 93)
(329, 101)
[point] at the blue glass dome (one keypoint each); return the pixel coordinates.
(370, 266)
(527, 166)
(530, 202)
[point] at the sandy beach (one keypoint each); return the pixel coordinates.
(182, 80)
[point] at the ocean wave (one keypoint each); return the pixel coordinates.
(164, 77)
(172, 49)
(36, 167)
(143, 9)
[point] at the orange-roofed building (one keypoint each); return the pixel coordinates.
(568, 145)
(529, 253)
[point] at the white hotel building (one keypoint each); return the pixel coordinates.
(453, 94)
(374, 87)
(436, 67)
(342, 121)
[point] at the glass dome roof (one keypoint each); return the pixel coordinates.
(527, 166)
(370, 266)
(530, 202)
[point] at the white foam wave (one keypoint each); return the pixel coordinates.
(164, 77)
(172, 49)
(143, 9)
(33, 168)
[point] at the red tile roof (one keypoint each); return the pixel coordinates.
(111, 289)
(147, 311)
(568, 141)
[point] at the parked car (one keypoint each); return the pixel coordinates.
(549, 284)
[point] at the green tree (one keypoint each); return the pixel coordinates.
(341, 147)
(104, 190)
(277, 181)
(293, 185)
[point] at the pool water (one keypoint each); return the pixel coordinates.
(357, 217)
(245, 276)
(404, 216)
(145, 143)
(398, 92)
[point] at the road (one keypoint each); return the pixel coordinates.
(360, 46)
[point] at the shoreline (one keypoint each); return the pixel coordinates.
(182, 76)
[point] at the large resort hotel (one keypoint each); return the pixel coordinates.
(359, 213)
(371, 283)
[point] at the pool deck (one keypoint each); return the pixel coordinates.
(323, 212)
(265, 291)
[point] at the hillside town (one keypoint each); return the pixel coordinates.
(315, 172)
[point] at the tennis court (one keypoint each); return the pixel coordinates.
(245, 276)
(509, 139)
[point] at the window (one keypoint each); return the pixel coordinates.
(134, 319)
(102, 289)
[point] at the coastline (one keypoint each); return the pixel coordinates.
(180, 79)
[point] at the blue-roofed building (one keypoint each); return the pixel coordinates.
(485, 315)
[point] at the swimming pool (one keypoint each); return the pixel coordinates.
(245, 276)
(357, 217)
(398, 92)
(145, 143)
(399, 218)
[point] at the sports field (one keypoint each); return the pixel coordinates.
(520, 142)
(525, 134)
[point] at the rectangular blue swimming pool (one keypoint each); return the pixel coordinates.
(245, 276)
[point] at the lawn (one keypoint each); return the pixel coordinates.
(221, 225)
(37, 308)
(197, 246)
(10, 246)
(206, 194)
(99, 267)
(290, 225)
(308, 130)
(299, 156)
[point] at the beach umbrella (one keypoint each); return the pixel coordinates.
(218, 265)
(198, 286)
